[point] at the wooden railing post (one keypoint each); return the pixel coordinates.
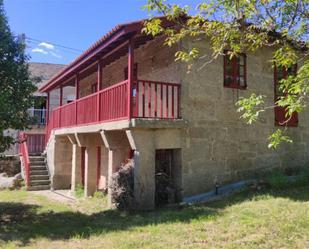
(99, 81)
(130, 76)
(60, 103)
(47, 107)
(76, 95)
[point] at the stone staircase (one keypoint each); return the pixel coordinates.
(39, 177)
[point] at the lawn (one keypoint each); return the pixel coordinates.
(268, 219)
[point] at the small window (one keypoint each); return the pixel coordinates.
(280, 112)
(235, 71)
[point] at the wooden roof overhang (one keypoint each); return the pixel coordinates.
(110, 47)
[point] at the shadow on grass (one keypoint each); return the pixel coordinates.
(21, 222)
(293, 193)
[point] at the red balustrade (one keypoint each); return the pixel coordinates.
(67, 115)
(86, 109)
(150, 99)
(113, 102)
(156, 100)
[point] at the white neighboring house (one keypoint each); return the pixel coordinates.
(36, 135)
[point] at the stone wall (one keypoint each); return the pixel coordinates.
(217, 145)
(10, 165)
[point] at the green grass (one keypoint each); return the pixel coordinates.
(270, 219)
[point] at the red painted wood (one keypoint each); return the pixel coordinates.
(130, 76)
(156, 101)
(61, 96)
(235, 71)
(113, 104)
(47, 107)
(99, 83)
(35, 143)
(166, 110)
(149, 100)
(76, 96)
(169, 93)
(173, 97)
(68, 115)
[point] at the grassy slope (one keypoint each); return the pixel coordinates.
(266, 220)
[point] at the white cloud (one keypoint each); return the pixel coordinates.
(39, 50)
(47, 45)
(47, 49)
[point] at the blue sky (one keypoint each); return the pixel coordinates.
(70, 23)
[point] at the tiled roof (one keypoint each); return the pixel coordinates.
(137, 25)
(44, 70)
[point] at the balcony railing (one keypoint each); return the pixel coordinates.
(150, 99)
(38, 116)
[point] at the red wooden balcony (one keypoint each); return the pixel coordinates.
(150, 99)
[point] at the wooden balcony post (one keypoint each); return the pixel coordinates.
(76, 95)
(60, 104)
(99, 81)
(130, 76)
(61, 96)
(47, 107)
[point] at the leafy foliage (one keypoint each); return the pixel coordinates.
(16, 87)
(277, 137)
(242, 26)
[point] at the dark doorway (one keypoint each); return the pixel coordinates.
(167, 176)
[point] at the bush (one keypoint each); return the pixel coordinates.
(79, 191)
(99, 195)
(277, 180)
(122, 187)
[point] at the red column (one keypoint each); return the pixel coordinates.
(99, 81)
(47, 108)
(130, 76)
(76, 95)
(61, 95)
(60, 104)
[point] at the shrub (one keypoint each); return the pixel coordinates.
(122, 187)
(79, 191)
(277, 180)
(99, 195)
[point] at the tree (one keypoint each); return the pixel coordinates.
(242, 26)
(16, 87)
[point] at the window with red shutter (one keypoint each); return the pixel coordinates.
(280, 112)
(235, 71)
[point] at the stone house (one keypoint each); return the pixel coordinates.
(133, 101)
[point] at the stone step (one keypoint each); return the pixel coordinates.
(38, 172)
(37, 159)
(39, 177)
(37, 167)
(39, 182)
(37, 163)
(38, 187)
